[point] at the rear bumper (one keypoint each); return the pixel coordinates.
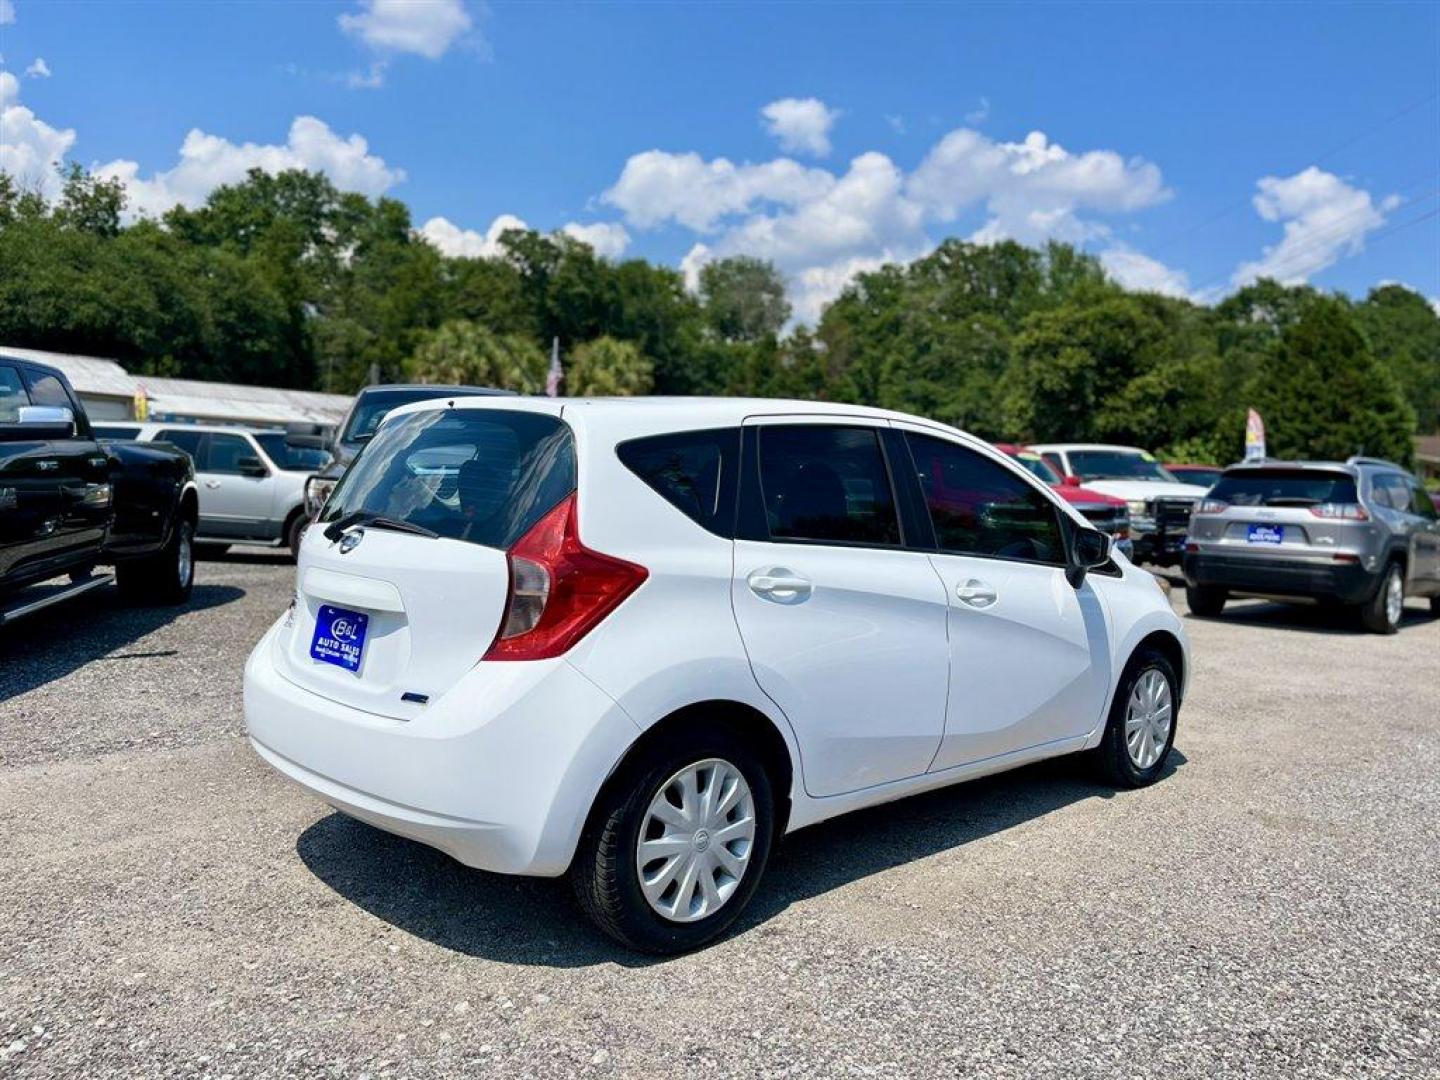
(1348, 583)
(499, 773)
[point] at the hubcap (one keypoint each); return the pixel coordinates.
(1394, 597)
(1147, 718)
(696, 841)
(186, 556)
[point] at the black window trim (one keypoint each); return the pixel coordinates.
(752, 523)
(78, 415)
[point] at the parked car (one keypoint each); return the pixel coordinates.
(1159, 504)
(69, 503)
(252, 480)
(1200, 475)
(1363, 533)
(700, 624)
(370, 407)
(1106, 512)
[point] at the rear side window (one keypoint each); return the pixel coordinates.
(189, 441)
(12, 395)
(694, 471)
(480, 475)
(1284, 487)
(826, 484)
(1421, 503)
(981, 508)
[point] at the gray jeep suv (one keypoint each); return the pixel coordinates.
(1361, 533)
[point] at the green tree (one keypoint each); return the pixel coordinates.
(1323, 395)
(466, 353)
(1404, 332)
(610, 368)
(743, 298)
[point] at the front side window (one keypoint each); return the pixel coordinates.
(480, 475)
(826, 485)
(694, 471)
(1037, 467)
(12, 395)
(979, 507)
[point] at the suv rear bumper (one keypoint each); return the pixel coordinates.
(1317, 579)
(499, 773)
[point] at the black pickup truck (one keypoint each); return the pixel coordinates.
(70, 503)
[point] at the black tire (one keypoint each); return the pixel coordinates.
(1113, 756)
(165, 577)
(1435, 606)
(604, 874)
(295, 532)
(1375, 613)
(1207, 601)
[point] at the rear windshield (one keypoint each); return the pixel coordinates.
(480, 475)
(1284, 487)
(292, 458)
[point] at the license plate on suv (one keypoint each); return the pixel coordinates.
(339, 637)
(1265, 534)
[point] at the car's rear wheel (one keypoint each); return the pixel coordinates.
(676, 845)
(1206, 601)
(1381, 613)
(295, 533)
(1140, 730)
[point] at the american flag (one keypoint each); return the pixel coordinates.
(556, 372)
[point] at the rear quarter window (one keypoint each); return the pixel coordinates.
(694, 471)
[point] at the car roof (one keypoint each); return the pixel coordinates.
(148, 426)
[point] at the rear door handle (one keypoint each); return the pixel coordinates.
(779, 584)
(212, 484)
(976, 593)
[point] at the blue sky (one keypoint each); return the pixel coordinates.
(1177, 142)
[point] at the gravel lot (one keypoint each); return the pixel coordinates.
(169, 907)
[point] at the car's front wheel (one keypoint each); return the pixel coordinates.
(1140, 731)
(677, 844)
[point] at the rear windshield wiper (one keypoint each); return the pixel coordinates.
(337, 528)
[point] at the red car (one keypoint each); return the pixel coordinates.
(1105, 512)
(1200, 475)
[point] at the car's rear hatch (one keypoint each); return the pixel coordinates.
(387, 620)
(1290, 512)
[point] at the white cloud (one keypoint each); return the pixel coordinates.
(979, 114)
(7, 12)
(455, 241)
(1323, 217)
(802, 125)
(38, 69)
(371, 78)
(821, 227)
(30, 149)
(1144, 274)
(425, 27)
(608, 238)
(207, 161)
(656, 186)
(896, 122)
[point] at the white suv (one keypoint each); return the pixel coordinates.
(639, 640)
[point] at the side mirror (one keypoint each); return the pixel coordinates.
(250, 465)
(1089, 548)
(1071, 481)
(38, 423)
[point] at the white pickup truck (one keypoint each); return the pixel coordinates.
(251, 481)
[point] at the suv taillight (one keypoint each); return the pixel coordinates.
(560, 590)
(1211, 506)
(1340, 511)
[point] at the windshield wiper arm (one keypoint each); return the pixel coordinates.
(337, 528)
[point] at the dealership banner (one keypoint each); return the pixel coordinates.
(1254, 437)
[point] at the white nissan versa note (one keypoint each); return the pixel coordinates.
(636, 641)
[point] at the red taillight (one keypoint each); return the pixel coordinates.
(1211, 506)
(1340, 511)
(559, 588)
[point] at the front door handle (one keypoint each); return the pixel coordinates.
(780, 585)
(976, 593)
(212, 484)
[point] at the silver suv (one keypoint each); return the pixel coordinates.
(1361, 533)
